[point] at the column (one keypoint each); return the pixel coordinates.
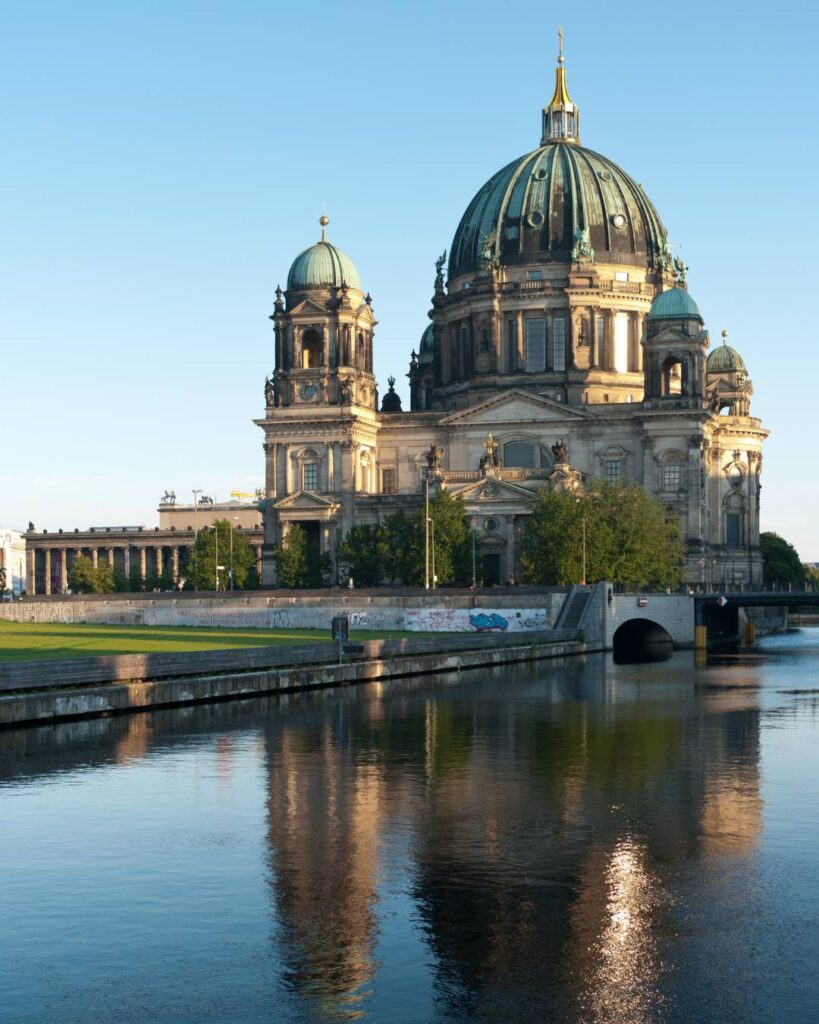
(142, 564)
(175, 564)
(31, 570)
(521, 343)
(640, 329)
(111, 558)
(288, 470)
(47, 554)
(94, 557)
(338, 472)
(127, 561)
(160, 560)
(594, 315)
(271, 452)
(258, 550)
(607, 355)
(64, 571)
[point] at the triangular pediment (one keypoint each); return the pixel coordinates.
(513, 407)
(304, 500)
(491, 489)
(309, 307)
(364, 312)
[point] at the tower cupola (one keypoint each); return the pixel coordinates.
(561, 119)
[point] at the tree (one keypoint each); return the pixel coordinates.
(3, 580)
(105, 578)
(361, 554)
(85, 579)
(394, 549)
(780, 562)
(201, 571)
(291, 559)
(627, 539)
(82, 579)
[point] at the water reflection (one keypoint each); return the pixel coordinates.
(513, 846)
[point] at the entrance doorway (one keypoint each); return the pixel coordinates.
(491, 568)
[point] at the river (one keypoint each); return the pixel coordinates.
(572, 842)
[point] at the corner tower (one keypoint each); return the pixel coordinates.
(324, 327)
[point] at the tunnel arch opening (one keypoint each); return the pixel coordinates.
(641, 640)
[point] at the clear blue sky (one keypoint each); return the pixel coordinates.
(164, 162)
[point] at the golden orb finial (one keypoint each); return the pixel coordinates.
(324, 220)
(724, 336)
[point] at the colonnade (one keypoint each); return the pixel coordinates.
(50, 576)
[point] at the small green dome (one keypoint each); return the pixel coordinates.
(323, 266)
(674, 304)
(724, 359)
(427, 339)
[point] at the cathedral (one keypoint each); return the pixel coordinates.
(563, 347)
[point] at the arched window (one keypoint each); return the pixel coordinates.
(310, 349)
(365, 473)
(671, 376)
(519, 455)
(734, 519)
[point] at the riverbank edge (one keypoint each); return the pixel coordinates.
(42, 708)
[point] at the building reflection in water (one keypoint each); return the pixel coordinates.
(547, 824)
(325, 820)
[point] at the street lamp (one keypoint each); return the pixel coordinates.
(235, 520)
(583, 524)
(196, 494)
(426, 529)
(474, 571)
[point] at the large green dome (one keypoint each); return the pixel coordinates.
(427, 339)
(534, 209)
(674, 304)
(322, 266)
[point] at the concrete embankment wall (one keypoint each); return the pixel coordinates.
(425, 612)
(32, 693)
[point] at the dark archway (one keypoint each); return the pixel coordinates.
(640, 640)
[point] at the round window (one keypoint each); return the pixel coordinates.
(541, 173)
(535, 219)
(491, 525)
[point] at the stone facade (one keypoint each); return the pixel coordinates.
(50, 556)
(563, 348)
(13, 560)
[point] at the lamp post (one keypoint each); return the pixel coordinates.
(235, 520)
(426, 529)
(583, 525)
(432, 553)
(474, 570)
(196, 494)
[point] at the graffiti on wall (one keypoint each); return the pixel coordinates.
(464, 620)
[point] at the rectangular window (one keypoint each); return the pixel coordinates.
(621, 343)
(535, 345)
(620, 275)
(311, 481)
(614, 472)
(733, 530)
(388, 485)
(511, 345)
(601, 339)
(559, 343)
(535, 275)
(671, 479)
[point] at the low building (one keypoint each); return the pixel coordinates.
(13, 560)
(154, 550)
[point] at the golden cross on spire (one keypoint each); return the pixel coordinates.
(560, 45)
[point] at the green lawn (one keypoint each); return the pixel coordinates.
(27, 641)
